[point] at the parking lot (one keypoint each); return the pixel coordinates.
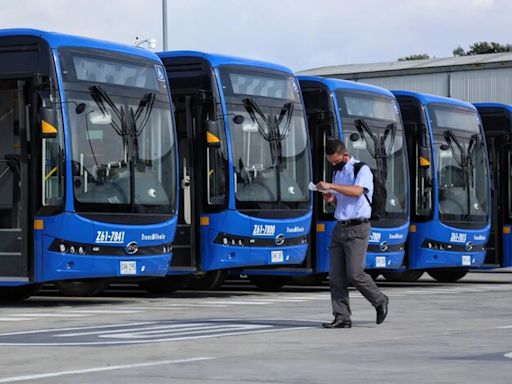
(435, 333)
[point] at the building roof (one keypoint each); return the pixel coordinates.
(217, 60)
(416, 66)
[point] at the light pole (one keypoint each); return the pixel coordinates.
(164, 24)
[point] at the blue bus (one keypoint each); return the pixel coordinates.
(88, 159)
(367, 119)
(244, 167)
(497, 123)
(450, 183)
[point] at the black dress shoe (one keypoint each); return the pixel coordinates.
(382, 310)
(338, 323)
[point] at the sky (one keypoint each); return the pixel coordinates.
(300, 34)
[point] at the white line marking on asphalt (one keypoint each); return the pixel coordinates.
(76, 328)
(15, 318)
(509, 355)
(240, 302)
(144, 334)
(101, 369)
(48, 315)
(101, 311)
(124, 330)
(505, 327)
(245, 333)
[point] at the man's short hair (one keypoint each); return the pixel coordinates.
(333, 146)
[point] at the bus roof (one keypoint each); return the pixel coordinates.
(58, 40)
(338, 84)
(506, 107)
(217, 60)
(426, 98)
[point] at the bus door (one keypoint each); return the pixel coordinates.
(186, 244)
(15, 233)
(497, 150)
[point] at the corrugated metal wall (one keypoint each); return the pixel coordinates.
(437, 83)
(486, 85)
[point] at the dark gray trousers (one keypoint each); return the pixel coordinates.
(346, 266)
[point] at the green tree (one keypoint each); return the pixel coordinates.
(417, 56)
(482, 47)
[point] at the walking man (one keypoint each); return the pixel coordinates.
(350, 235)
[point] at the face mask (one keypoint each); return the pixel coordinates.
(339, 166)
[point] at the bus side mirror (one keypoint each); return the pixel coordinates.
(424, 157)
(212, 134)
(49, 122)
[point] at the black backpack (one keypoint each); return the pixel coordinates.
(380, 195)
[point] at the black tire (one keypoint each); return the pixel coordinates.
(310, 280)
(18, 293)
(85, 288)
(402, 277)
(210, 281)
(167, 284)
(448, 275)
(268, 283)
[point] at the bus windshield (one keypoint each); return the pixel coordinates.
(122, 140)
(268, 137)
(373, 133)
(462, 166)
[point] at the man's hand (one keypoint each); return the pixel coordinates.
(322, 186)
(329, 197)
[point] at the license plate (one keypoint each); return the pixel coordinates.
(128, 267)
(380, 261)
(277, 256)
(466, 260)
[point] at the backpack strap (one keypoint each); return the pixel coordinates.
(357, 168)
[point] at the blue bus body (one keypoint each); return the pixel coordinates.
(97, 173)
(450, 201)
(331, 106)
(497, 123)
(244, 163)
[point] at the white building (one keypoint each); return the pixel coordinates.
(477, 78)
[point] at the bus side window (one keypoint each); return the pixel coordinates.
(215, 163)
(53, 174)
(510, 181)
(424, 187)
(52, 158)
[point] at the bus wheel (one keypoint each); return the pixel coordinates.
(167, 284)
(87, 287)
(18, 293)
(402, 277)
(447, 275)
(315, 279)
(210, 281)
(268, 283)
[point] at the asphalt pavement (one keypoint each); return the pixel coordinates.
(434, 333)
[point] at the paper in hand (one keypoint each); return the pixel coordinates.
(312, 187)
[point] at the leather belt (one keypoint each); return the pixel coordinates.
(349, 223)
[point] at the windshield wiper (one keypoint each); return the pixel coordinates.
(274, 135)
(143, 113)
(450, 138)
(101, 97)
(379, 151)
